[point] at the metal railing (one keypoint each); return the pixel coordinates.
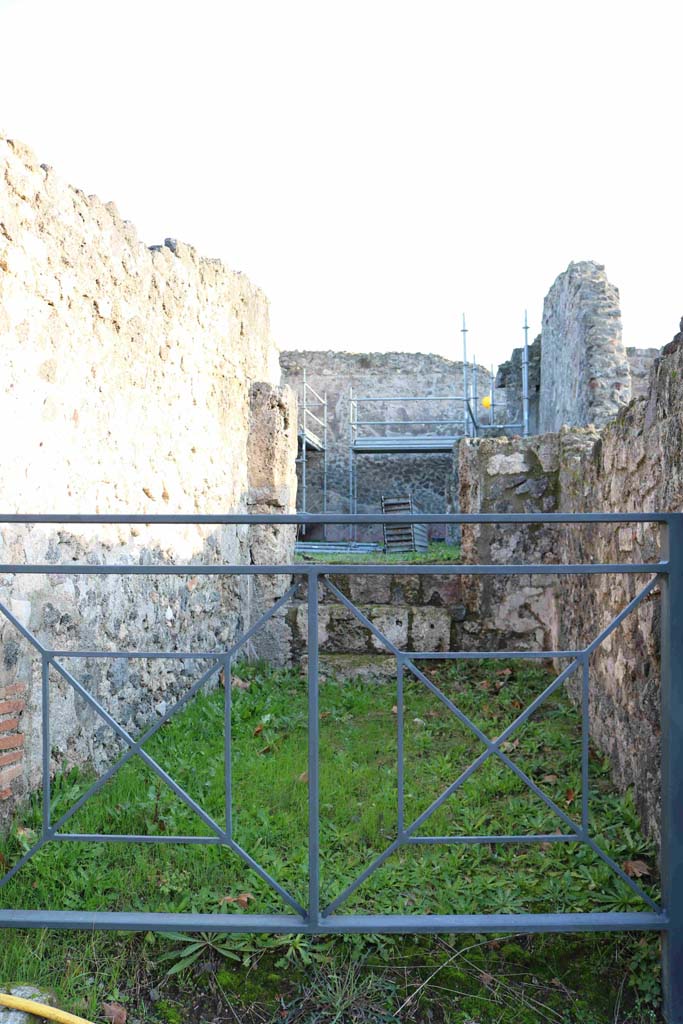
(314, 918)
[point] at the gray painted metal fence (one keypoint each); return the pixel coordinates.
(666, 574)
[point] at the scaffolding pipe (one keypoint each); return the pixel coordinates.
(351, 440)
(493, 400)
(525, 378)
(304, 455)
(464, 373)
(325, 468)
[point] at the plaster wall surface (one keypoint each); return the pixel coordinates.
(132, 380)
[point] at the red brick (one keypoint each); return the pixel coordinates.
(9, 724)
(11, 707)
(8, 774)
(13, 757)
(9, 742)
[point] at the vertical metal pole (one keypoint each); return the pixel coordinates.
(227, 743)
(399, 746)
(493, 399)
(585, 736)
(325, 463)
(525, 378)
(304, 496)
(313, 754)
(672, 769)
(351, 439)
(45, 716)
(475, 394)
(466, 423)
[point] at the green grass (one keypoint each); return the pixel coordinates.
(502, 980)
(437, 553)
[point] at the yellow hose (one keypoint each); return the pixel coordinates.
(41, 1010)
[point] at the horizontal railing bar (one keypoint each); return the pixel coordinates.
(407, 423)
(95, 837)
(307, 518)
(480, 655)
(335, 924)
(478, 840)
(357, 569)
(169, 655)
(411, 398)
(497, 426)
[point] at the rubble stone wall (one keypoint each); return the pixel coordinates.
(585, 376)
(132, 380)
(633, 464)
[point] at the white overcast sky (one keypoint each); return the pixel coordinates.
(376, 167)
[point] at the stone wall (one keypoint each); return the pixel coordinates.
(133, 380)
(380, 374)
(634, 464)
(641, 363)
(585, 374)
(509, 379)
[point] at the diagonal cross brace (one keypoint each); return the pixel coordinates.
(135, 747)
(492, 746)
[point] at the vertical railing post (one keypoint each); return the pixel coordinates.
(45, 717)
(227, 743)
(313, 754)
(672, 769)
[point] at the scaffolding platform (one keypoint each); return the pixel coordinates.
(440, 423)
(412, 444)
(311, 442)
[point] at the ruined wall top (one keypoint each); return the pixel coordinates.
(125, 370)
(585, 374)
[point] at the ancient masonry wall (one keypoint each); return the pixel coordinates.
(380, 374)
(585, 374)
(634, 464)
(133, 381)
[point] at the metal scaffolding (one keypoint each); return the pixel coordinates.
(312, 436)
(457, 416)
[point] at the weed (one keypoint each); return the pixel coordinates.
(559, 979)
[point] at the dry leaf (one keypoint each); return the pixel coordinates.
(394, 710)
(325, 714)
(636, 868)
(240, 684)
(303, 777)
(486, 979)
(484, 685)
(570, 796)
(242, 900)
(265, 750)
(114, 1013)
(549, 778)
(259, 729)
(504, 672)
(191, 584)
